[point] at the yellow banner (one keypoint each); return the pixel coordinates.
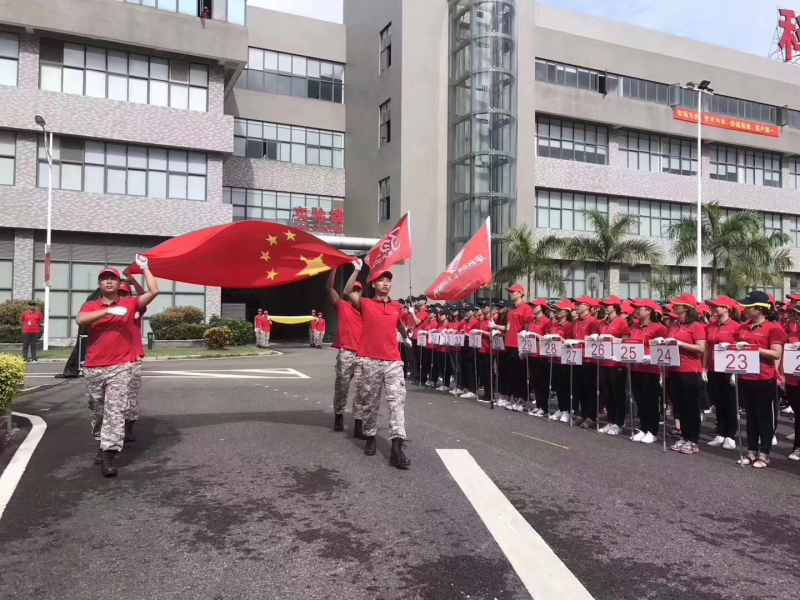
(291, 320)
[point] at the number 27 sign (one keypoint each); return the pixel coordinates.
(737, 362)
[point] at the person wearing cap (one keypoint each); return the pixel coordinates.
(645, 385)
(257, 323)
(758, 391)
(704, 312)
(266, 328)
(438, 365)
(722, 331)
(684, 383)
(111, 353)
(792, 382)
(613, 327)
(427, 351)
(453, 352)
(418, 309)
(319, 329)
(381, 367)
(519, 317)
(504, 383)
(561, 329)
(540, 367)
(311, 332)
(347, 341)
(31, 321)
(584, 325)
(132, 414)
(485, 367)
(468, 363)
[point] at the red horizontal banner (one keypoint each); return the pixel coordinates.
(690, 116)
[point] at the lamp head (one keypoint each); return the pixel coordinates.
(40, 121)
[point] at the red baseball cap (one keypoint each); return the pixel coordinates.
(587, 300)
(704, 308)
(565, 305)
(110, 270)
(124, 287)
(724, 301)
(540, 302)
(358, 285)
(611, 300)
(647, 303)
(793, 298)
(516, 288)
(771, 299)
(626, 308)
(383, 274)
(685, 300)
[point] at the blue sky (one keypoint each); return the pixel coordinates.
(746, 25)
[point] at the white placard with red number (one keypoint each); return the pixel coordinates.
(599, 350)
(629, 352)
(791, 361)
(458, 339)
(436, 338)
(475, 339)
(571, 355)
(527, 345)
(665, 355)
(738, 362)
(422, 338)
(498, 342)
(550, 348)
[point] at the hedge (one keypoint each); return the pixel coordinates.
(243, 332)
(10, 334)
(12, 376)
(182, 331)
(218, 337)
(11, 311)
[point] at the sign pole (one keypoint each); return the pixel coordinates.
(597, 386)
(738, 419)
(664, 402)
(570, 396)
(550, 390)
(630, 401)
(419, 383)
(475, 364)
(528, 383)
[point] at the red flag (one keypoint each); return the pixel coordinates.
(469, 271)
(392, 249)
(246, 254)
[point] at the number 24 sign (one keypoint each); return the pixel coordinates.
(665, 355)
(738, 362)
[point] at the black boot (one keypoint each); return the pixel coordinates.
(371, 446)
(358, 430)
(108, 469)
(397, 458)
(129, 437)
(98, 459)
(338, 422)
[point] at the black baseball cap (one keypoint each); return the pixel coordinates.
(756, 298)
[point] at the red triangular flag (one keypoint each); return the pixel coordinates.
(468, 272)
(392, 249)
(245, 254)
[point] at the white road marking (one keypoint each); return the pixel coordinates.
(13, 473)
(541, 571)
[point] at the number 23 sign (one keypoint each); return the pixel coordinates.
(737, 362)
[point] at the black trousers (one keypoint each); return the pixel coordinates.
(584, 384)
(485, 374)
(425, 361)
(440, 367)
(612, 382)
(503, 373)
(758, 398)
(519, 375)
(540, 380)
(454, 359)
(684, 390)
(561, 377)
(647, 394)
(468, 368)
(29, 340)
(793, 396)
(723, 396)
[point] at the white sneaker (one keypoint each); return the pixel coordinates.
(774, 441)
(468, 395)
(788, 411)
(539, 413)
(649, 438)
(565, 417)
(459, 391)
(455, 392)
(790, 437)
(729, 444)
(605, 429)
(482, 401)
(518, 408)
(707, 411)
(717, 441)
(441, 388)
(501, 403)
(614, 430)
(640, 435)
(795, 455)
(556, 416)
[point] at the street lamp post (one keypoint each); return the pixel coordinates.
(48, 147)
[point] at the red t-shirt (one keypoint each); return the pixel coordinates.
(32, 321)
(518, 318)
(645, 334)
(581, 329)
(266, 324)
(259, 321)
(691, 362)
(564, 330)
(379, 322)
(111, 340)
(792, 329)
(349, 334)
(319, 326)
(718, 334)
(422, 316)
(540, 326)
(764, 335)
(486, 340)
(619, 328)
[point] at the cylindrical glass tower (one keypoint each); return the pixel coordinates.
(482, 120)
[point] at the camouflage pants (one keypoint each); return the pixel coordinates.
(375, 376)
(318, 335)
(262, 338)
(108, 392)
(132, 414)
(345, 369)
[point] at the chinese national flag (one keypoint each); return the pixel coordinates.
(469, 271)
(246, 254)
(392, 249)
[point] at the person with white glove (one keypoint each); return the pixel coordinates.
(721, 334)
(560, 329)
(673, 341)
(111, 356)
(657, 341)
(613, 377)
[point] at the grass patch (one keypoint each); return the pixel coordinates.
(233, 352)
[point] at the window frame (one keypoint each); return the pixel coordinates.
(384, 200)
(385, 123)
(741, 165)
(633, 157)
(556, 138)
(12, 57)
(12, 157)
(551, 206)
(668, 213)
(385, 52)
(263, 145)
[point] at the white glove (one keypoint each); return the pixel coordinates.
(492, 325)
(733, 380)
(705, 375)
(795, 346)
(142, 262)
(552, 336)
(646, 359)
(594, 337)
(722, 346)
(407, 342)
(741, 345)
(495, 332)
(412, 310)
(118, 311)
(657, 341)
(358, 264)
(570, 343)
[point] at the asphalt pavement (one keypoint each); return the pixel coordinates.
(238, 487)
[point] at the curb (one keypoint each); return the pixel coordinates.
(16, 468)
(41, 388)
(184, 357)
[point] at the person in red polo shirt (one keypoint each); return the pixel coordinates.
(561, 329)
(519, 316)
(613, 375)
(132, 414)
(540, 367)
(110, 356)
(319, 329)
(758, 391)
(257, 322)
(266, 328)
(31, 320)
(311, 331)
(585, 325)
(419, 312)
(381, 366)
(347, 341)
(645, 376)
(792, 328)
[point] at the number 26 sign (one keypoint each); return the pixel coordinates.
(737, 362)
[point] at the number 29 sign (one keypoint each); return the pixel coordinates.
(737, 361)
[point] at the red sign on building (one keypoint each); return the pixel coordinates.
(690, 116)
(789, 40)
(321, 221)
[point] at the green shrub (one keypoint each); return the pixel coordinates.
(243, 333)
(218, 337)
(182, 331)
(175, 316)
(10, 334)
(12, 376)
(11, 311)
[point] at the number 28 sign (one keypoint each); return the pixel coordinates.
(737, 361)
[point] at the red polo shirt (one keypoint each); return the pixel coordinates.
(379, 321)
(564, 330)
(582, 328)
(422, 315)
(349, 334)
(266, 324)
(111, 339)
(486, 340)
(792, 329)
(319, 326)
(691, 362)
(764, 335)
(718, 334)
(645, 334)
(539, 326)
(32, 321)
(517, 320)
(619, 328)
(258, 322)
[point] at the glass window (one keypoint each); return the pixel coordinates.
(741, 165)
(139, 65)
(156, 184)
(655, 218)
(571, 140)
(254, 139)
(385, 113)
(50, 78)
(137, 91)
(177, 186)
(117, 87)
(385, 58)
(116, 181)
(299, 76)
(564, 210)
(8, 151)
(561, 74)
(659, 154)
(384, 200)
(178, 96)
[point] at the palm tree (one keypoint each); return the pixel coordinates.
(762, 262)
(610, 244)
(531, 259)
(664, 285)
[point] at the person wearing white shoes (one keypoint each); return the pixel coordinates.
(613, 327)
(792, 381)
(561, 329)
(645, 376)
(540, 367)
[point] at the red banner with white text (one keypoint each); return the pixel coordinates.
(690, 116)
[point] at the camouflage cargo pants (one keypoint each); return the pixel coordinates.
(345, 369)
(108, 391)
(375, 376)
(132, 414)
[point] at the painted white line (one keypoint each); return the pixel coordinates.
(13, 473)
(542, 572)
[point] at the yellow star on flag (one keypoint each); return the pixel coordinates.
(290, 236)
(265, 256)
(273, 240)
(313, 266)
(272, 274)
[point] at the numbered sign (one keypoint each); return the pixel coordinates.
(475, 340)
(572, 355)
(665, 355)
(527, 345)
(498, 342)
(599, 350)
(459, 339)
(422, 338)
(629, 352)
(436, 338)
(737, 362)
(791, 362)
(551, 348)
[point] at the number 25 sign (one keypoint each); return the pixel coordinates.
(737, 362)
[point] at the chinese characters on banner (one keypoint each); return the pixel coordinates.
(319, 220)
(683, 114)
(790, 35)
